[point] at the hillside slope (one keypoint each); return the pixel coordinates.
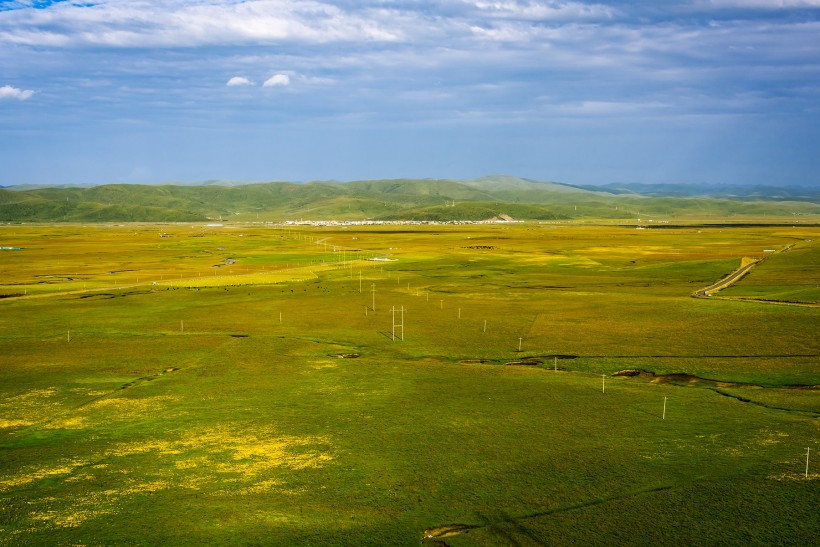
(392, 199)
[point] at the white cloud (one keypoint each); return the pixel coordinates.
(765, 4)
(154, 23)
(238, 81)
(316, 80)
(614, 108)
(515, 9)
(277, 80)
(8, 92)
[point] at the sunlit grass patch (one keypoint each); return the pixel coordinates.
(31, 474)
(243, 279)
(6, 423)
(30, 407)
(93, 505)
(220, 461)
(73, 422)
(155, 446)
(255, 452)
(128, 408)
(225, 454)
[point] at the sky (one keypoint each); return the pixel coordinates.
(582, 92)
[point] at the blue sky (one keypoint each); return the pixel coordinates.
(718, 91)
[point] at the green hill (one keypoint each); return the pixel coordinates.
(477, 210)
(505, 183)
(393, 199)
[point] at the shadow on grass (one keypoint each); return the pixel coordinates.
(498, 523)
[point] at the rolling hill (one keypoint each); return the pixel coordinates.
(392, 199)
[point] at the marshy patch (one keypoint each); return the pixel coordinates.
(677, 378)
(347, 355)
(537, 360)
(109, 295)
(682, 378)
(239, 335)
(523, 362)
(436, 359)
(58, 277)
(628, 373)
(541, 287)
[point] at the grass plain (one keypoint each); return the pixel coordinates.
(186, 384)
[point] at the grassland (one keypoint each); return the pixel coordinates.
(185, 384)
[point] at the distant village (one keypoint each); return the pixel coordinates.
(501, 219)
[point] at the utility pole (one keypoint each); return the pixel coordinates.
(373, 291)
(808, 449)
(393, 311)
(664, 409)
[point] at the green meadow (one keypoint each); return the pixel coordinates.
(500, 384)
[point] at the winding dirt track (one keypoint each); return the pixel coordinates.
(708, 292)
(726, 281)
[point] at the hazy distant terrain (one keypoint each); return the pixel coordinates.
(396, 199)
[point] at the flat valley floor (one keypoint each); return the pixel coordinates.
(503, 384)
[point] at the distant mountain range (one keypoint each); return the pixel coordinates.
(395, 199)
(742, 192)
